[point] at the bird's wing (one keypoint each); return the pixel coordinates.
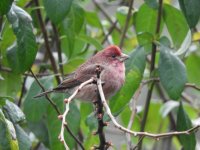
(81, 75)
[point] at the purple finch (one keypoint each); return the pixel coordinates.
(110, 60)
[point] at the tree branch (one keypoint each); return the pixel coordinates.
(57, 40)
(22, 91)
(134, 133)
(63, 116)
(106, 15)
(52, 60)
(56, 109)
(126, 24)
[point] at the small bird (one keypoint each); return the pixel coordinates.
(111, 62)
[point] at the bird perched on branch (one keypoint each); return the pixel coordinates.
(110, 60)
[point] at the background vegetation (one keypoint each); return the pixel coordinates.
(53, 37)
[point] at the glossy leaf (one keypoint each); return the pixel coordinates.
(39, 105)
(191, 11)
(57, 10)
(172, 73)
(145, 25)
(184, 123)
(192, 65)
(40, 131)
(23, 138)
(7, 134)
(135, 68)
(8, 87)
(92, 19)
(13, 112)
(146, 19)
(178, 28)
(71, 27)
(5, 6)
(91, 40)
(22, 55)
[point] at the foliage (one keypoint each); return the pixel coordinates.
(54, 37)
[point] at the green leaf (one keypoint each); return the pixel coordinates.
(91, 40)
(23, 138)
(71, 27)
(5, 6)
(184, 123)
(192, 65)
(135, 67)
(39, 105)
(146, 19)
(13, 112)
(57, 10)
(4, 98)
(121, 16)
(7, 134)
(93, 19)
(191, 11)
(177, 28)
(22, 55)
(8, 87)
(40, 131)
(91, 121)
(172, 73)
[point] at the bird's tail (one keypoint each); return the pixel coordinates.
(43, 93)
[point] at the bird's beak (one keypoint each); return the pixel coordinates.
(123, 57)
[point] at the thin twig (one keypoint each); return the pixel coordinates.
(63, 116)
(126, 24)
(22, 91)
(131, 120)
(140, 134)
(5, 69)
(56, 109)
(28, 4)
(106, 15)
(40, 75)
(111, 29)
(52, 60)
(192, 86)
(57, 40)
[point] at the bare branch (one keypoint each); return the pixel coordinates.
(56, 109)
(48, 49)
(134, 133)
(192, 85)
(63, 116)
(126, 24)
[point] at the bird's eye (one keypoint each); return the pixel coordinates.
(113, 56)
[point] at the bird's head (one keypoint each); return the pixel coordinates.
(113, 54)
